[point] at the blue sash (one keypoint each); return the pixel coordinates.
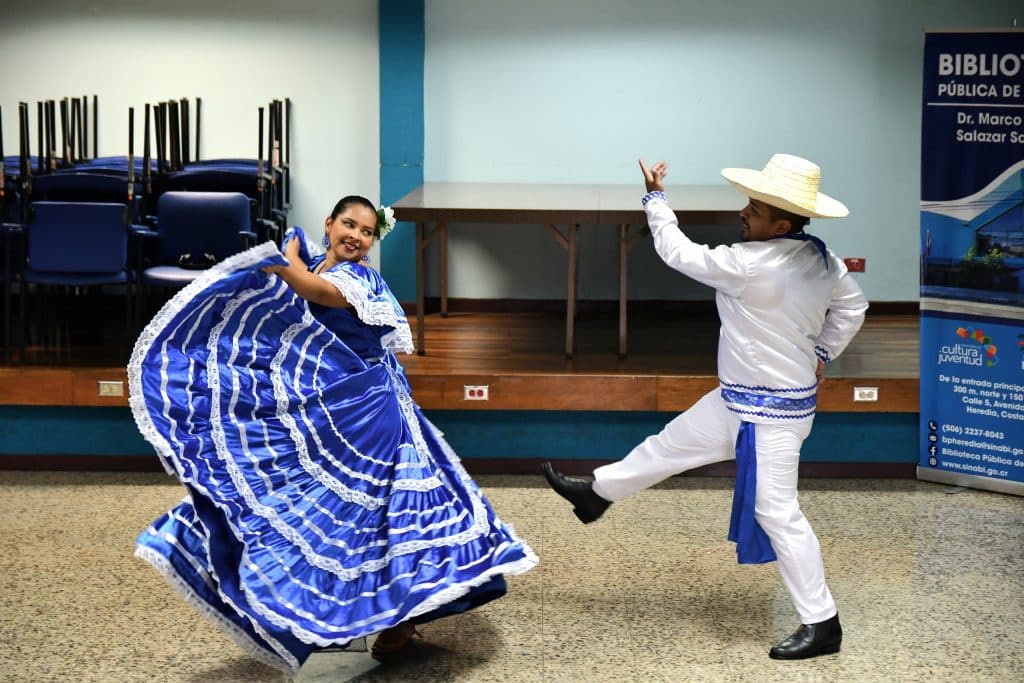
(752, 544)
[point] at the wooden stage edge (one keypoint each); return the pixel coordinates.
(79, 387)
(475, 466)
(516, 356)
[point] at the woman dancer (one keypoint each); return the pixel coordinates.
(321, 506)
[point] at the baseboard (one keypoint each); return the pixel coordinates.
(150, 463)
(894, 308)
(81, 463)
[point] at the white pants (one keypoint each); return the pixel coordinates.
(706, 433)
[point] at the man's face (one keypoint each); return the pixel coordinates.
(758, 224)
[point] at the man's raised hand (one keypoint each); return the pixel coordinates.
(654, 176)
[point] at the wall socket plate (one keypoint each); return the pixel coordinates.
(110, 388)
(476, 392)
(855, 264)
(861, 394)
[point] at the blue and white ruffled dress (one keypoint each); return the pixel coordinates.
(321, 506)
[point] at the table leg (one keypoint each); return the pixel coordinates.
(570, 303)
(8, 283)
(444, 269)
(623, 263)
(420, 228)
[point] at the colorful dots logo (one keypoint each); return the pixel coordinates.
(978, 336)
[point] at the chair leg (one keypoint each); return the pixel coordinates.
(7, 300)
(60, 310)
(33, 321)
(51, 320)
(36, 316)
(129, 307)
(56, 318)
(22, 291)
(54, 300)
(7, 313)
(140, 305)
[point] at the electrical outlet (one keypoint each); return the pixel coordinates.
(861, 394)
(476, 392)
(110, 388)
(855, 264)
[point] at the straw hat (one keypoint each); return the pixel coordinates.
(789, 183)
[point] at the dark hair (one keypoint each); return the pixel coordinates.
(351, 199)
(796, 221)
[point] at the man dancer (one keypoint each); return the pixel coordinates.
(787, 307)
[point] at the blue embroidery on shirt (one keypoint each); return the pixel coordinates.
(656, 194)
(774, 416)
(772, 389)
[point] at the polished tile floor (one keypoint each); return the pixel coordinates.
(930, 585)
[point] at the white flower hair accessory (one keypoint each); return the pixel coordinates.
(385, 221)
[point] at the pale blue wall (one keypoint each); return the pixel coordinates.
(576, 90)
(533, 91)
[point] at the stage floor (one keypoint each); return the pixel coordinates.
(520, 358)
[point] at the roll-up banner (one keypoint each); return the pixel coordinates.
(972, 260)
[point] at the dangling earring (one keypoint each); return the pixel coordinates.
(326, 241)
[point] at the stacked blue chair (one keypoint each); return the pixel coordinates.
(15, 191)
(9, 209)
(10, 226)
(193, 230)
(230, 203)
(8, 232)
(74, 186)
(76, 244)
(231, 175)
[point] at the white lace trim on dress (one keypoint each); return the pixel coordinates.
(240, 637)
(380, 313)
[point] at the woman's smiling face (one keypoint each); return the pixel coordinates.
(351, 232)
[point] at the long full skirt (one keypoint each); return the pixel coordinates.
(321, 505)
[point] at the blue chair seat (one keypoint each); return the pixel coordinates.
(169, 276)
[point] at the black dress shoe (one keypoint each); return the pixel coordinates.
(811, 640)
(587, 505)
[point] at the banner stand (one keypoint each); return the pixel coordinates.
(971, 481)
(972, 260)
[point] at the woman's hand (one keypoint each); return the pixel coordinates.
(310, 287)
(654, 176)
(820, 372)
(291, 252)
